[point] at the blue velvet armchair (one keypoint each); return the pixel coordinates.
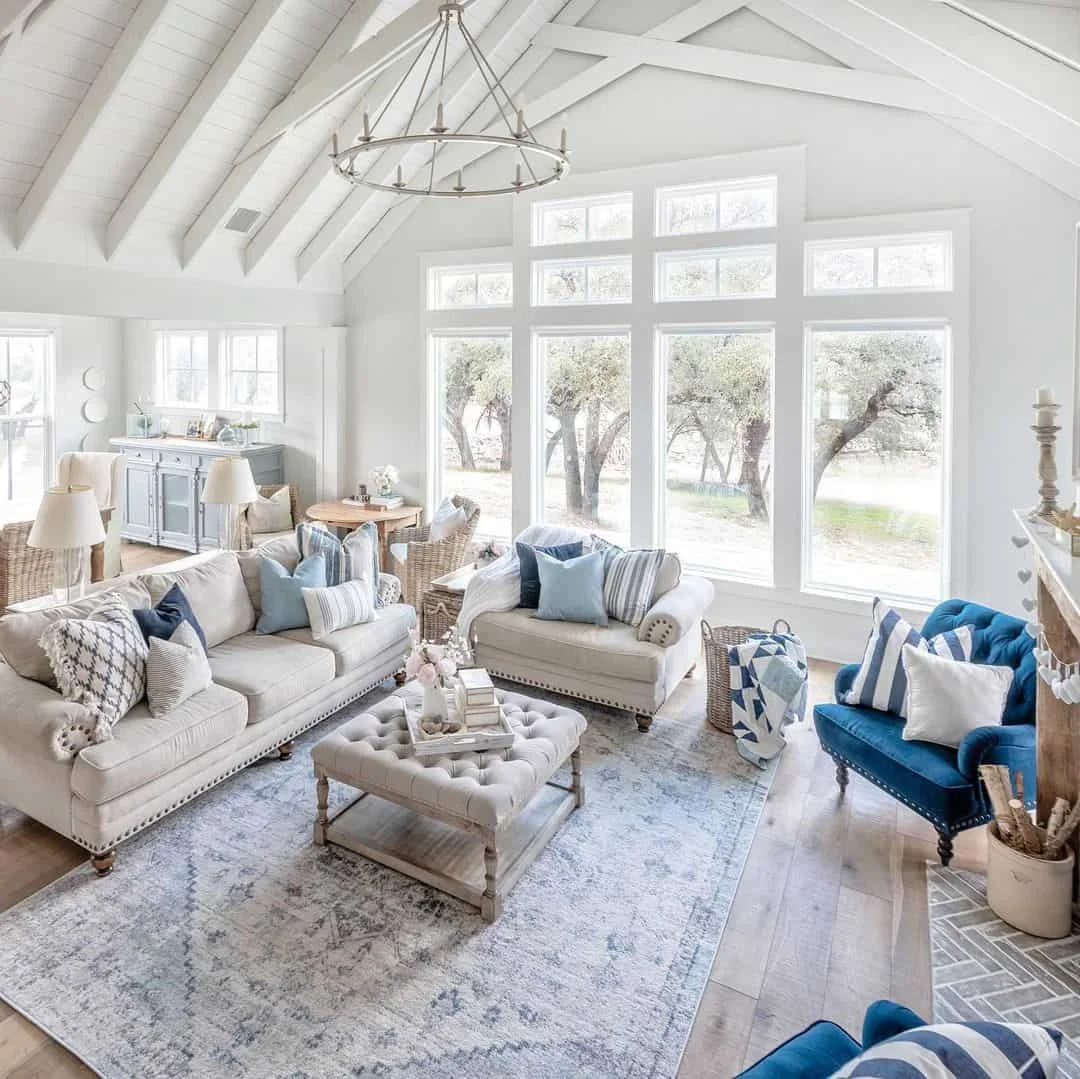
(823, 1047)
(940, 783)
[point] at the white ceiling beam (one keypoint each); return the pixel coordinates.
(698, 16)
(198, 106)
(887, 29)
(504, 25)
(342, 40)
(47, 183)
(1046, 166)
(365, 62)
(897, 91)
(12, 13)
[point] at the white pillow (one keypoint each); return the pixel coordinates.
(448, 519)
(176, 669)
(338, 607)
(273, 514)
(947, 700)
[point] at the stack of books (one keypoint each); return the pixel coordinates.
(476, 698)
(386, 502)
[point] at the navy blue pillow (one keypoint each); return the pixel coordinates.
(162, 620)
(530, 575)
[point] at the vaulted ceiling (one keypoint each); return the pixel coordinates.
(131, 131)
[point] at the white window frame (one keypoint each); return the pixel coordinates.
(224, 345)
(876, 243)
(475, 269)
(47, 414)
(716, 187)
(586, 202)
(161, 365)
(717, 254)
(217, 369)
(540, 265)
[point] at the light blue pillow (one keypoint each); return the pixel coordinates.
(572, 591)
(283, 604)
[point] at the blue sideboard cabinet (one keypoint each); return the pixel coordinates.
(163, 483)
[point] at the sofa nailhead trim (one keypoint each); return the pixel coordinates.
(576, 696)
(101, 848)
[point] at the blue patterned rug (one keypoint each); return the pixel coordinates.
(226, 944)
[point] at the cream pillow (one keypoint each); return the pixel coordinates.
(338, 607)
(448, 519)
(176, 669)
(273, 514)
(948, 699)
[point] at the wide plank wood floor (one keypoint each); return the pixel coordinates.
(830, 914)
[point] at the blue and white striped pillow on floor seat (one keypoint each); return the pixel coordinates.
(881, 682)
(981, 1050)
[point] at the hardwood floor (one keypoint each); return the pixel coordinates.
(830, 914)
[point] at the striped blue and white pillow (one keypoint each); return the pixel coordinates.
(881, 683)
(339, 607)
(980, 1050)
(352, 559)
(629, 580)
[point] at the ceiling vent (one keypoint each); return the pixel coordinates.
(242, 220)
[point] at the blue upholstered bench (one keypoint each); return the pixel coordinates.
(939, 783)
(824, 1047)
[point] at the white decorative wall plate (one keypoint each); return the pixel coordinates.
(94, 379)
(95, 410)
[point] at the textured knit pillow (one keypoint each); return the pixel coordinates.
(283, 593)
(354, 558)
(629, 580)
(337, 607)
(273, 514)
(881, 683)
(176, 669)
(980, 1050)
(100, 662)
(162, 619)
(529, 596)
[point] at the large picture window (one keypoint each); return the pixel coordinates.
(475, 455)
(586, 430)
(875, 462)
(26, 361)
(252, 372)
(718, 449)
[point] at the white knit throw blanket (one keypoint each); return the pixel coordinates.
(498, 587)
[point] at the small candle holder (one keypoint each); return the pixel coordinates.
(1046, 431)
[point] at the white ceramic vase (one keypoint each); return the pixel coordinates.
(434, 706)
(1029, 893)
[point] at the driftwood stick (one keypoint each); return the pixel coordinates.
(1057, 817)
(1055, 846)
(999, 801)
(1019, 786)
(1029, 833)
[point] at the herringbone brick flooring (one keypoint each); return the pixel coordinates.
(985, 969)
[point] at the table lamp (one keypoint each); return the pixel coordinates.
(68, 523)
(230, 483)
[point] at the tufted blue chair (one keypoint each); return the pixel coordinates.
(940, 783)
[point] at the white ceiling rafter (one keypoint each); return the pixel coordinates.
(698, 16)
(490, 39)
(897, 91)
(341, 42)
(1014, 147)
(123, 54)
(206, 95)
(13, 17)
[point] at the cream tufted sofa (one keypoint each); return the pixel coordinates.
(266, 690)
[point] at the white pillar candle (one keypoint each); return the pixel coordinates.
(1044, 396)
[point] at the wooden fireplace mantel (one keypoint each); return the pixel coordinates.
(1057, 579)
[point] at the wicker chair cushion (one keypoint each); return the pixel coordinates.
(448, 520)
(273, 514)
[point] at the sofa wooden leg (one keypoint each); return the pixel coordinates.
(285, 750)
(644, 722)
(103, 863)
(842, 777)
(400, 677)
(944, 847)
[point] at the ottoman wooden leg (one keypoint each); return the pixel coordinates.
(577, 786)
(491, 901)
(322, 793)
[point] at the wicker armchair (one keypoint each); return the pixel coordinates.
(247, 538)
(25, 572)
(427, 560)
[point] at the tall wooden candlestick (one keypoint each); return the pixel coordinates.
(1046, 436)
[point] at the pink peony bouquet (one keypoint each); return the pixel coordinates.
(429, 664)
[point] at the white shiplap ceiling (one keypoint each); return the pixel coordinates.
(130, 130)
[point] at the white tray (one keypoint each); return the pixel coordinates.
(474, 740)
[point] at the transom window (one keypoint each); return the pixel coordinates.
(718, 274)
(602, 217)
(582, 281)
(716, 207)
(183, 361)
(26, 364)
(887, 264)
(454, 287)
(252, 371)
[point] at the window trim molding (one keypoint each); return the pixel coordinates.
(475, 268)
(604, 198)
(842, 243)
(537, 272)
(711, 187)
(717, 254)
(54, 339)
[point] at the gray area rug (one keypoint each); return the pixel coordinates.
(226, 944)
(983, 968)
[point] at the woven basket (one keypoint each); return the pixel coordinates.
(716, 640)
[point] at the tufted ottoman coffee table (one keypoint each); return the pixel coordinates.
(505, 798)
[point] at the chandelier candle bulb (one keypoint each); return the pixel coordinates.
(367, 126)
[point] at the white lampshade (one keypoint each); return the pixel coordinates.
(230, 482)
(67, 517)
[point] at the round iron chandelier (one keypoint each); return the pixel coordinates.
(536, 164)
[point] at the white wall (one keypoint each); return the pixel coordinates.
(861, 160)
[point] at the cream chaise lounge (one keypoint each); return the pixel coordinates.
(267, 689)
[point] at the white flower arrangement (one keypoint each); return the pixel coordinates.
(385, 478)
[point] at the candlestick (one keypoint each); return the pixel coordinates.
(1046, 438)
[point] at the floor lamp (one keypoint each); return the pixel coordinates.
(68, 523)
(230, 484)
